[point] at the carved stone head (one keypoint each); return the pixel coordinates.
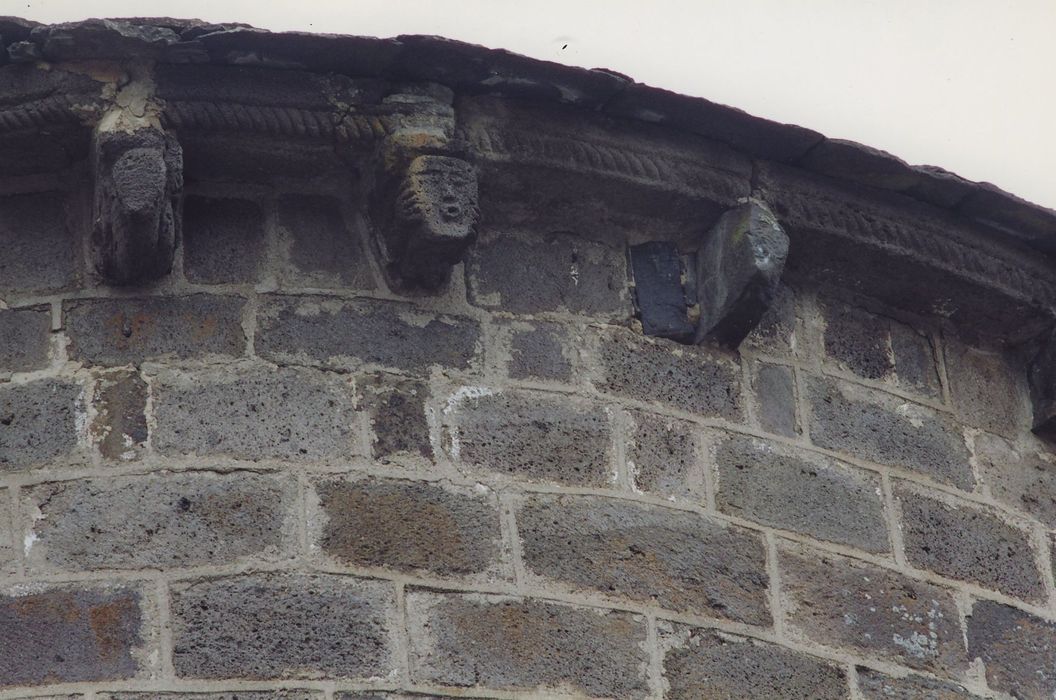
(438, 197)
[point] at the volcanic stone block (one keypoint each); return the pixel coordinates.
(664, 455)
(345, 335)
(689, 378)
(397, 416)
(532, 435)
(678, 560)
(38, 422)
(1019, 478)
(69, 635)
(876, 686)
(776, 332)
(987, 390)
(800, 491)
(123, 331)
(556, 272)
(164, 520)
(775, 399)
(262, 626)
(539, 352)
(120, 423)
(915, 364)
(1017, 648)
(707, 664)
(323, 250)
(515, 644)
(1041, 377)
(858, 341)
(278, 694)
(254, 414)
(8, 538)
(39, 250)
(24, 337)
(968, 543)
(834, 601)
(409, 526)
(738, 270)
(880, 428)
(658, 292)
(223, 240)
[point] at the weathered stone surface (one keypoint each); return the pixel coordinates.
(968, 543)
(24, 337)
(884, 429)
(39, 250)
(38, 422)
(223, 240)
(8, 538)
(254, 414)
(987, 390)
(409, 526)
(346, 335)
(776, 333)
(1041, 376)
(554, 273)
(138, 182)
(800, 491)
(69, 635)
(277, 694)
(532, 435)
(397, 417)
(774, 389)
(738, 270)
(659, 298)
(102, 38)
(263, 626)
(323, 251)
(834, 601)
(1021, 478)
(541, 351)
(678, 560)
(119, 426)
(165, 520)
(706, 664)
(123, 331)
(876, 686)
(688, 378)
(847, 160)
(515, 644)
(1017, 648)
(664, 455)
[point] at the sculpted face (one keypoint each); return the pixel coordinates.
(439, 194)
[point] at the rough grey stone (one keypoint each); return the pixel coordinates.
(254, 414)
(876, 686)
(397, 416)
(163, 520)
(262, 626)
(775, 398)
(120, 423)
(8, 538)
(915, 362)
(707, 664)
(664, 455)
(540, 353)
(323, 251)
(123, 331)
(659, 298)
(345, 335)
(837, 602)
(690, 378)
(38, 422)
(987, 390)
(776, 332)
(881, 428)
(515, 644)
(24, 340)
(678, 560)
(557, 272)
(68, 635)
(277, 694)
(38, 247)
(532, 435)
(409, 526)
(800, 491)
(1020, 478)
(223, 240)
(1017, 648)
(968, 543)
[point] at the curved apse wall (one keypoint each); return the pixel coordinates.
(334, 366)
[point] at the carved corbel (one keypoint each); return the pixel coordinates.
(718, 293)
(138, 180)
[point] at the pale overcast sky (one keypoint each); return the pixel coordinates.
(969, 85)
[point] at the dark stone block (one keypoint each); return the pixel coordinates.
(397, 417)
(847, 160)
(223, 240)
(39, 250)
(876, 686)
(1017, 648)
(664, 456)
(323, 250)
(775, 399)
(38, 422)
(24, 338)
(541, 351)
(658, 293)
(120, 423)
